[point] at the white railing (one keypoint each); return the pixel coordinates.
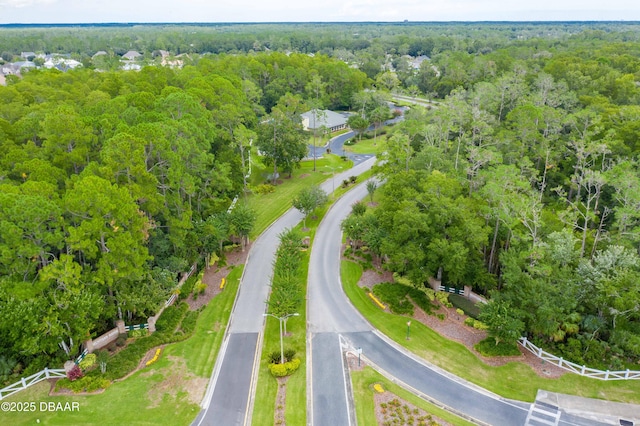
(25, 382)
(578, 369)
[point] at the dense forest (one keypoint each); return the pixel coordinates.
(524, 183)
(522, 180)
(114, 183)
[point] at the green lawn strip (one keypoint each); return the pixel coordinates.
(154, 394)
(269, 207)
(201, 349)
(365, 146)
(513, 380)
(363, 392)
(267, 385)
(264, 403)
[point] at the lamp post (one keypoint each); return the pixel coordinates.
(333, 180)
(408, 329)
(283, 320)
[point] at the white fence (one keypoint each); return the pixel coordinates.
(578, 369)
(25, 382)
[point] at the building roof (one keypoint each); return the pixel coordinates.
(322, 118)
(132, 55)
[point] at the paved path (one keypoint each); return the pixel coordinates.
(229, 397)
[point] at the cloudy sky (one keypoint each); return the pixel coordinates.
(83, 11)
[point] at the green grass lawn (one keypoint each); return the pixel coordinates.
(267, 385)
(363, 392)
(365, 146)
(269, 207)
(157, 394)
(513, 380)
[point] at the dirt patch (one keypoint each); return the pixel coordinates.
(213, 277)
(178, 383)
(370, 278)
(304, 175)
(281, 398)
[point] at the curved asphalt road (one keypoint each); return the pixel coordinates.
(335, 326)
(229, 397)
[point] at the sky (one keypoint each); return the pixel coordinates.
(98, 11)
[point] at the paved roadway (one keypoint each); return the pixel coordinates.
(229, 397)
(334, 326)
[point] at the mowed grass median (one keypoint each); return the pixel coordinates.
(514, 380)
(168, 391)
(269, 207)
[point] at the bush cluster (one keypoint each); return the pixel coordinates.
(286, 369)
(468, 306)
(274, 357)
(128, 359)
(478, 325)
(265, 188)
(74, 374)
(399, 296)
(138, 333)
(89, 383)
(286, 285)
(488, 347)
(88, 362)
(188, 285)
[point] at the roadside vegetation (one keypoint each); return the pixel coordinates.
(513, 380)
(170, 388)
(363, 389)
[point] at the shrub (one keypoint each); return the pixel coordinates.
(468, 306)
(480, 325)
(88, 362)
(394, 296)
(353, 179)
(138, 333)
(103, 360)
(278, 370)
(286, 369)
(200, 288)
(345, 183)
(359, 208)
(187, 286)
(85, 384)
(289, 353)
(488, 347)
(274, 357)
(74, 374)
(459, 311)
(265, 188)
(121, 340)
(443, 298)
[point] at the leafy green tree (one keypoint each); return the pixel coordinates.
(241, 222)
(308, 200)
(358, 124)
(503, 322)
(281, 141)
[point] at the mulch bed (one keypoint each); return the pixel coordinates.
(213, 277)
(453, 328)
